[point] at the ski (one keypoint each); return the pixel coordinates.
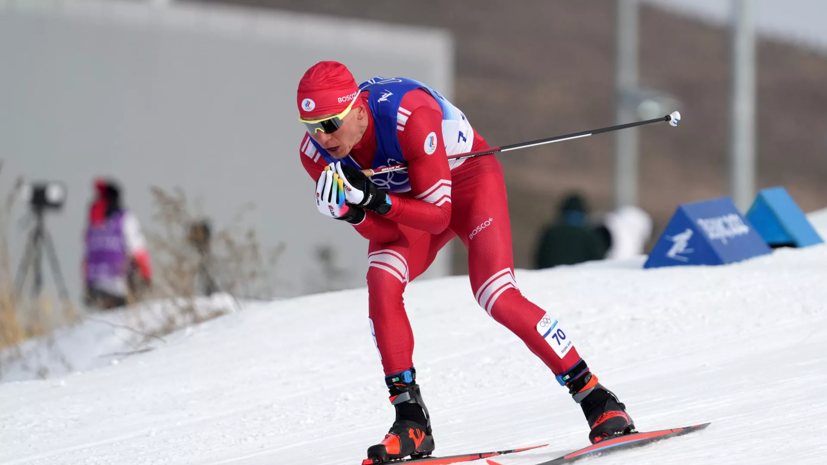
(619, 443)
(454, 458)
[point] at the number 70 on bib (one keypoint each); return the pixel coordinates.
(550, 329)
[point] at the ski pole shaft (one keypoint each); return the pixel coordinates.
(671, 118)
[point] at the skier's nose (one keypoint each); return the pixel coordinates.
(323, 138)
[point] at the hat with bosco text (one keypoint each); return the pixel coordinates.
(327, 88)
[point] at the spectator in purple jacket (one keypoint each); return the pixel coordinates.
(116, 261)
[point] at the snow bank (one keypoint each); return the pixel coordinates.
(104, 338)
(299, 381)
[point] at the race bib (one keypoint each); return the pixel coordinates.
(554, 335)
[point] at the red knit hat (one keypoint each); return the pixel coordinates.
(326, 88)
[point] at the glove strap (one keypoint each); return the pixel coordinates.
(378, 201)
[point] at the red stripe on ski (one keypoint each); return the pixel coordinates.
(623, 442)
(461, 457)
(529, 448)
(606, 444)
(448, 460)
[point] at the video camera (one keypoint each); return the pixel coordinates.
(44, 195)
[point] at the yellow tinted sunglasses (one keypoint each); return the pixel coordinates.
(328, 125)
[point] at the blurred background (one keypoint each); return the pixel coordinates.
(187, 108)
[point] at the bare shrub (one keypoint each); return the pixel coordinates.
(230, 260)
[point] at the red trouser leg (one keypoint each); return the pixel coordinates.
(480, 218)
(391, 266)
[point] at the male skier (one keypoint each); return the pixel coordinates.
(409, 216)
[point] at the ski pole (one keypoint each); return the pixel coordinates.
(671, 118)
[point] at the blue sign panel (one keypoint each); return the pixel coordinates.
(712, 232)
(780, 221)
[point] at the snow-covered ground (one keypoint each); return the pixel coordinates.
(104, 338)
(299, 381)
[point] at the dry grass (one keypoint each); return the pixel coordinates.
(11, 332)
(233, 261)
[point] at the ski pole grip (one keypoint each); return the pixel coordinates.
(368, 172)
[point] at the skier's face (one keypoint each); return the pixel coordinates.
(339, 143)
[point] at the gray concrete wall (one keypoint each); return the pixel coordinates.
(201, 98)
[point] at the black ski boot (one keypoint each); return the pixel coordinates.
(410, 434)
(607, 417)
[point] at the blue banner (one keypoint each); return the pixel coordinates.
(712, 232)
(780, 221)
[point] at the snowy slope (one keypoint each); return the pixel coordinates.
(299, 381)
(104, 338)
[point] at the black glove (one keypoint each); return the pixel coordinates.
(361, 191)
(354, 215)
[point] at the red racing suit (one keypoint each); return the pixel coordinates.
(468, 201)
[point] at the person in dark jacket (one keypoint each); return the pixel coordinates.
(569, 239)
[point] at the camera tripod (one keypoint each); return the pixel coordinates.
(38, 240)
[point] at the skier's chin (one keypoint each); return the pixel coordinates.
(337, 152)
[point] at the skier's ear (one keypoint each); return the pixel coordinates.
(360, 112)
